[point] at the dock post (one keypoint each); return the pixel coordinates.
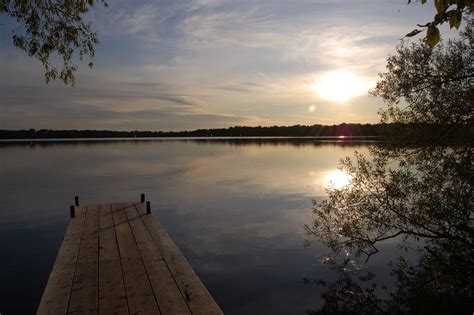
(142, 198)
(148, 207)
(76, 200)
(73, 211)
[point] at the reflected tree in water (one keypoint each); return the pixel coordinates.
(426, 198)
(416, 189)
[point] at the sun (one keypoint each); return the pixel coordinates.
(340, 86)
(337, 179)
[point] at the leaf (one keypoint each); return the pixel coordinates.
(460, 3)
(432, 36)
(439, 18)
(455, 19)
(441, 5)
(413, 33)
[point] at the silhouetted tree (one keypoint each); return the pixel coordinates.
(355, 130)
(425, 85)
(420, 194)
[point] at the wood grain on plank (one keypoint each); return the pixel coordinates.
(167, 294)
(140, 295)
(193, 290)
(112, 296)
(84, 293)
(58, 289)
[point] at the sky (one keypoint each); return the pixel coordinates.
(182, 65)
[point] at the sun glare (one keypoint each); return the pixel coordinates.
(340, 86)
(337, 179)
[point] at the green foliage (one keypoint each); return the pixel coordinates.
(430, 85)
(450, 11)
(432, 36)
(50, 28)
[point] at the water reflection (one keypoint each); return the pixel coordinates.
(235, 208)
(337, 179)
(237, 141)
(419, 196)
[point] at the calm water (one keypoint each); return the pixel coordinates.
(236, 209)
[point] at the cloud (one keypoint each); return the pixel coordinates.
(231, 27)
(179, 64)
(80, 108)
(242, 87)
(143, 19)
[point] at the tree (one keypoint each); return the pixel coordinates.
(53, 27)
(451, 11)
(418, 193)
(429, 85)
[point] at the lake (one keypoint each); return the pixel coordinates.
(236, 209)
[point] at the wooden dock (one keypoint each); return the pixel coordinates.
(117, 259)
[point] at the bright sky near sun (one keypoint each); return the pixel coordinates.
(341, 85)
(181, 64)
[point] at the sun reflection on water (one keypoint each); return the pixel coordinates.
(337, 179)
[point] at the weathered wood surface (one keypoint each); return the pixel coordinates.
(117, 259)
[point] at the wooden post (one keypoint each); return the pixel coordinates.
(142, 198)
(73, 212)
(148, 207)
(76, 200)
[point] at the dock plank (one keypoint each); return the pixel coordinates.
(112, 296)
(55, 297)
(84, 293)
(140, 295)
(193, 290)
(117, 259)
(164, 287)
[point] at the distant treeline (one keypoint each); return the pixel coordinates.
(347, 130)
(355, 130)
